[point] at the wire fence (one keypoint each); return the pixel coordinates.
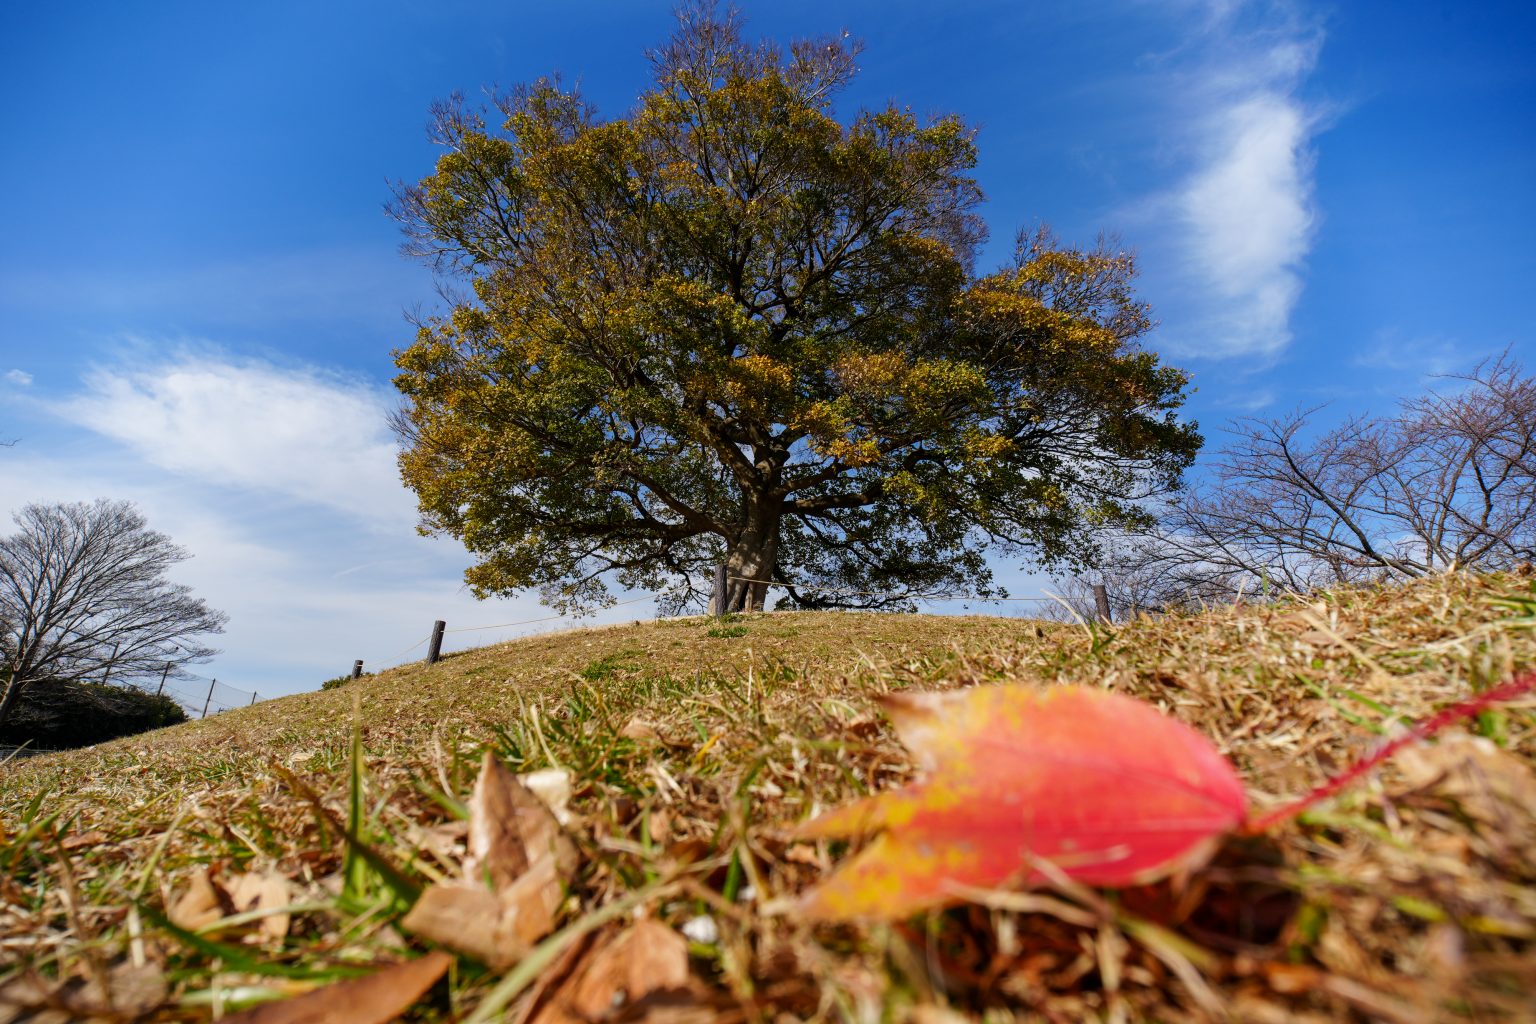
(398, 658)
(202, 697)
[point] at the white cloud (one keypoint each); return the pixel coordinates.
(1251, 401)
(1423, 357)
(1228, 242)
(1248, 219)
(309, 436)
(273, 568)
(19, 377)
(273, 479)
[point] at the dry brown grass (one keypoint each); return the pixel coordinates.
(1409, 898)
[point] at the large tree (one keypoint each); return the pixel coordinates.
(83, 590)
(729, 326)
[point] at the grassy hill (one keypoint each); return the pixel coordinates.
(692, 746)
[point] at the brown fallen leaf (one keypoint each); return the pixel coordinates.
(1490, 785)
(642, 729)
(800, 853)
(1472, 766)
(445, 841)
(470, 920)
(660, 825)
(625, 972)
(209, 899)
(376, 999)
(638, 728)
(515, 869)
(131, 992)
(509, 826)
(204, 902)
(84, 839)
(553, 787)
(863, 725)
(688, 851)
(262, 891)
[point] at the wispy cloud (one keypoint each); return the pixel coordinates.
(347, 284)
(21, 378)
(1250, 402)
(280, 481)
(1248, 220)
(273, 567)
(1392, 350)
(1229, 239)
(312, 437)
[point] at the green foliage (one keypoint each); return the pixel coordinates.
(727, 632)
(55, 715)
(730, 325)
(342, 680)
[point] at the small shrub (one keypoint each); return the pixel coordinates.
(726, 632)
(340, 681)
(55, 715)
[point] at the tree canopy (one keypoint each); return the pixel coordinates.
(728, 326)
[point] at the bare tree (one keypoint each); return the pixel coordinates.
(1121, 567)
(1144, 572)
(1462, 477)
(83, 588)
(1445, 483)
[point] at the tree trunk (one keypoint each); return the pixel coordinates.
(750, 560)
(12, 691)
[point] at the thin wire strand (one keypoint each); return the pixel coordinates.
(878, 593)
(409, 649)
(548, 618)
(193, 702)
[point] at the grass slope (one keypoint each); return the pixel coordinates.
(693, 745)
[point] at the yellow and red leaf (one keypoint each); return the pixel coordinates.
(1103, 788)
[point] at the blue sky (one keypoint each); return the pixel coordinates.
(199, 291)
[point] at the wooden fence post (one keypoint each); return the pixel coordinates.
(253, 700)
(1101, 602)
(357, 668)
(435, 648)
(207, 703)
(721, 583)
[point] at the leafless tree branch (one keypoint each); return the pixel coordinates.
(1446, 482)
(83, 588)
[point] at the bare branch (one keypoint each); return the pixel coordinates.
(83, 587)
(1447, 482)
